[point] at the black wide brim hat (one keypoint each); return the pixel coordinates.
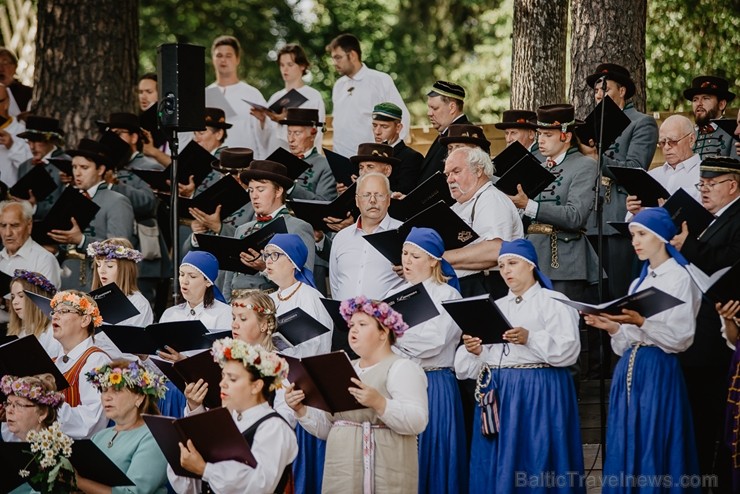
(42, 129)
(466, 134)
(233, 160)
(360, 158)
(267, 170)
(303, 117)
(715, 166)
(708, 84)
(557, 116)
(615, 73)
(92, 150)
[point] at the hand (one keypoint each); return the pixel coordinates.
(170, 354)
(71, 236)
(680, 238)
(729, 310)
(341, 188)
(634, 205)
(368, 396)
(399, 271)
(627, 317)
(198, 227)
(253, 259)
(276, 117)
(600, 322)
(588, 149)
(211, 221)
(195, 393)
(110, 177)
(520, 200)
(294, 399)
(398, 195)
(64, 178)
(259, 114)
(186, 190)
(517, 336)
(190, 459)
(472, 344)
(338, 224)
(6, 139)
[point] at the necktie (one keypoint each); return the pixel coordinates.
(550, 163)
(706, 129)
(301, 156)
(264, 218)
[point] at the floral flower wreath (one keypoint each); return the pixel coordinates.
(379, 310)
(84, 304)
(257, 308)
(267, 364)
(110, 250)
(19, 386)
(134, 377)
(36, 279)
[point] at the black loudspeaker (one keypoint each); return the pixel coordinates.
(181, 75)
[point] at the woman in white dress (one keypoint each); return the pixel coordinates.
(250, 376)
(25, 316)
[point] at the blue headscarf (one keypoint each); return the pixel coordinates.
(293, 247)
(523, 249)
(431, 242)
(207, 264)
(658, 222)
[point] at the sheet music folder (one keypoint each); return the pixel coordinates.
(214, 435)
(646, 302)
(180, 335)
(479, 317)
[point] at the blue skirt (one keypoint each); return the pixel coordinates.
(308, 467)
(650, 440)
(443, 462)
(538, 449)
(173, 404)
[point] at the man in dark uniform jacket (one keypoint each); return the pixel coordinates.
(387, 128)
(706, 362)
(445, 107)
(709, 97)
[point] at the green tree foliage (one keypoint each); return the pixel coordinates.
(687, 38)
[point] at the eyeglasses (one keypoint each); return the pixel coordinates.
(711, 185)
(9, 405)
(672, 142)
(120, 131)
(377, 196)
(273, 256)
(61, 312)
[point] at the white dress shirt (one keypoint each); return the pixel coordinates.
(671, 330)
(553, 334)
(276, 135)
(246, 131)
(491, 214)
(84, 420)
(308, 299)
(11, 159)
(274, 447)
(406, 411)
(216, 317)
(432, 343)
(357, 268)
(353, 101)
(32, 257)
(683, 176)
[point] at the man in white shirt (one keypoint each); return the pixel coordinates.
(355, 266)
(246, 131)
(356, 93)
(491, 215)
(13, 150)
(681, 168)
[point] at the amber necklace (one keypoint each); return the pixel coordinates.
(283, 299)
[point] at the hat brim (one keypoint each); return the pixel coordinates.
(515, 125)
(301, 123)
(375, 158)
(628, 83)
(218, 125)
(693, 91)
(103, 126)
(577, 123)
(247, 175)
(96, 157)
(216, 165)
(482, 143)
(41, 136)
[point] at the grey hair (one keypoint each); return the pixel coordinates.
(684, 124)
(364, 177)
(475, 158)
(26, 208)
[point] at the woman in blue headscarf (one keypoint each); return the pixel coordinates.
(650, 432)
(285, 258)
(526, 433)
(442, 446)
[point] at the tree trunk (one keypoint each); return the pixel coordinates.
(86, 62)
(610, 31)
(538, 53)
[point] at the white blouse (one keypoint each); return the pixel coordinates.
(553, 334)
(671, 330)
(433, 342)
(274, 447)
(215, 318)
(145, 316)
(308, 299)
(406, 411)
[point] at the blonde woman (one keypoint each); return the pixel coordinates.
(26, 317)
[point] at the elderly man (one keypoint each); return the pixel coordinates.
(387, 127)
(491, 215)
(355, 94)
(709, 97)
(518, 126)
(444, 107)
(20, 94)
(45, 139)
(13, 150)
(355, 266)
(706, 362)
